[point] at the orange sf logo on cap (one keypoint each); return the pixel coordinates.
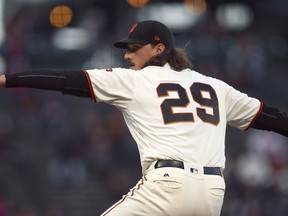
(157, 38)
(133, 28)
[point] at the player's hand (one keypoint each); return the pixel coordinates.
(2, 81)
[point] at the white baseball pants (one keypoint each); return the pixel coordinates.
(172, 191)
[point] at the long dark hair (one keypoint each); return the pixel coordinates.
(177, 58)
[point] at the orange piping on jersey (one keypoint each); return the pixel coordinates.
(256, 116)
(90, 86)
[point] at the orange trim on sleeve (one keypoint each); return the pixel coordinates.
(90, 86)
(256, 116)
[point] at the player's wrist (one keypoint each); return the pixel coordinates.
(2, 81)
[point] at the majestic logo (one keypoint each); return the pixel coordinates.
(133, 28)
(166, 175)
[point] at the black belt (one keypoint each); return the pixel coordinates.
(179, 164)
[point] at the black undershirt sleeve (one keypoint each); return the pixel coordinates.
(71, 82)
(272, 119)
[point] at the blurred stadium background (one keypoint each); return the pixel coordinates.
(64, 156)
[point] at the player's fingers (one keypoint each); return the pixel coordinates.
(2, 81)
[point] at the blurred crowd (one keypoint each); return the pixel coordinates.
(67, 156)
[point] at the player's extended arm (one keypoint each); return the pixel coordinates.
(72, 82)
(272, 119)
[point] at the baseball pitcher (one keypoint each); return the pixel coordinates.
(177, 116)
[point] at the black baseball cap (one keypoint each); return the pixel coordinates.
(146, 32)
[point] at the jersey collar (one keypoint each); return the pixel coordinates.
(166, 65)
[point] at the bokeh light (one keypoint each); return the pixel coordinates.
(61, 16)
(137, 3)
(195, 7)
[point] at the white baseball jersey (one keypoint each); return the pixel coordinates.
(175, 115)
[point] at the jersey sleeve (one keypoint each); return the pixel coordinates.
(113, 86)
(241, 110)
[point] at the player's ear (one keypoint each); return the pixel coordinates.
(160, 48)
